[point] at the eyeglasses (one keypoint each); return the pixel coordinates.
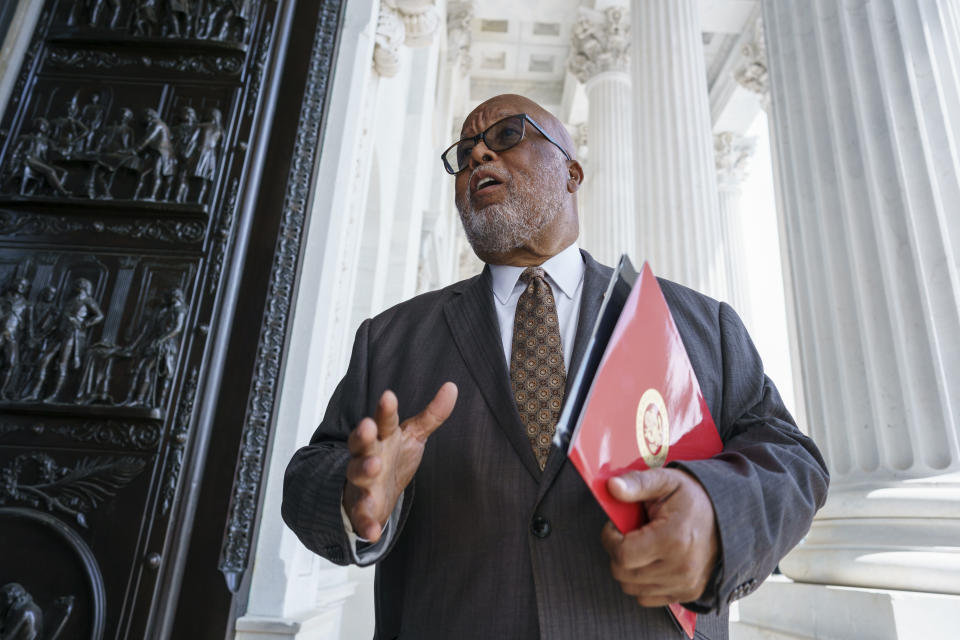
(499, 136)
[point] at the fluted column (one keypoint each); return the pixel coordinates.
(866, 115)
(600, 58)
(676, 185)
(732, 153)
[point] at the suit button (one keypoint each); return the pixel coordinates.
(540, 527)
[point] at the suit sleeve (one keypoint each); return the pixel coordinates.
(768, 481)
(314, 480)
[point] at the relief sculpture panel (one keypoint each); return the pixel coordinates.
(62, 345)
(156, 168)
(104, 151)
(124, 167)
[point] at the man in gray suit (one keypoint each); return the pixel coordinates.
(481, 530)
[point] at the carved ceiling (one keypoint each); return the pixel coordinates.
(523, 47)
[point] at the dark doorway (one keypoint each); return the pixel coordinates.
(148, 260)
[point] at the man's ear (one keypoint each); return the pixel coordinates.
(574, 176)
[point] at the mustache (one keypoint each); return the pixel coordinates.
(499, 174)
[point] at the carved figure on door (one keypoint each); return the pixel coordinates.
(115, 150)
(30, 164)
(22, 619)
(69, 130)
(206, 166)
(158, 157)
(92, 118)
(68, 341)
(145, 18)
(155, 351)
(14, 326)
(186, 136)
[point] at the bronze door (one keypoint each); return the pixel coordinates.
(156, 161)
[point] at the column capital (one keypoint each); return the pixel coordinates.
(581, 139)
(420, 21)
(732, 153)
(409, 22)
(459, 22)
(752, 74)
(387, 41)
(600, 42)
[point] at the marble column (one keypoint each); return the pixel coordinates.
(732, 153)
(866, 115)
(600, 58)
(679, 229)
(753, 75)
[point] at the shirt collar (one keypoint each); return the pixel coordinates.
(565, 270)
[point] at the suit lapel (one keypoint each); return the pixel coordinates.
(473, 324)
(595, 279)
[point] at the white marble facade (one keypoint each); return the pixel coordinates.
(864, 153)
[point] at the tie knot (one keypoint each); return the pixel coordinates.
(532, 273)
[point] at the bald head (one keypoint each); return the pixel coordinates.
(522, 104)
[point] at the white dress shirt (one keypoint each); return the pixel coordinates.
(565, 276)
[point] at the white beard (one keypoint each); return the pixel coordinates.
(498, 228)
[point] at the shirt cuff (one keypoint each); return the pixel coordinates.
(364, 551)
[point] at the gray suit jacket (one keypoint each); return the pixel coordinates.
(466, 561)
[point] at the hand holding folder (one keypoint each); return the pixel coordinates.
(634, 406)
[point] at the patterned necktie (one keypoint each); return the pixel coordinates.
(537, 373)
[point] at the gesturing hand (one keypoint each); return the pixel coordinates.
(670, 558)
(384, 455)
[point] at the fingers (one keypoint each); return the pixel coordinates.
(636, 549)
(435, 413)
(670, 558)
(363, 471)
(364, 464)
(361, 509)
(362, 440)
(640, 486)
(386, 415)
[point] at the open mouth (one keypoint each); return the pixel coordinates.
(486, 183)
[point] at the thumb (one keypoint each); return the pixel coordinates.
(439, 409)
(640, 486)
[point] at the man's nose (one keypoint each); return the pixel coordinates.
(481, 153)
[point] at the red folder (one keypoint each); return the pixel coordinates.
(642, 406)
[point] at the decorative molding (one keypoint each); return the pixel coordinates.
(74, 491)
(241, 521)
(60, 535)
(125, 435)
(752, 74)
(459, 24)
(178, 441)
(600, 42)
(420, 21)
(13, 224)
(256, 82)
(184, 23)
(222, 238)
(581, 139)
(211, 65)
(732, 154)
(388, 38)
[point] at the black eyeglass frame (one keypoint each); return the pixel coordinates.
(482, 136)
